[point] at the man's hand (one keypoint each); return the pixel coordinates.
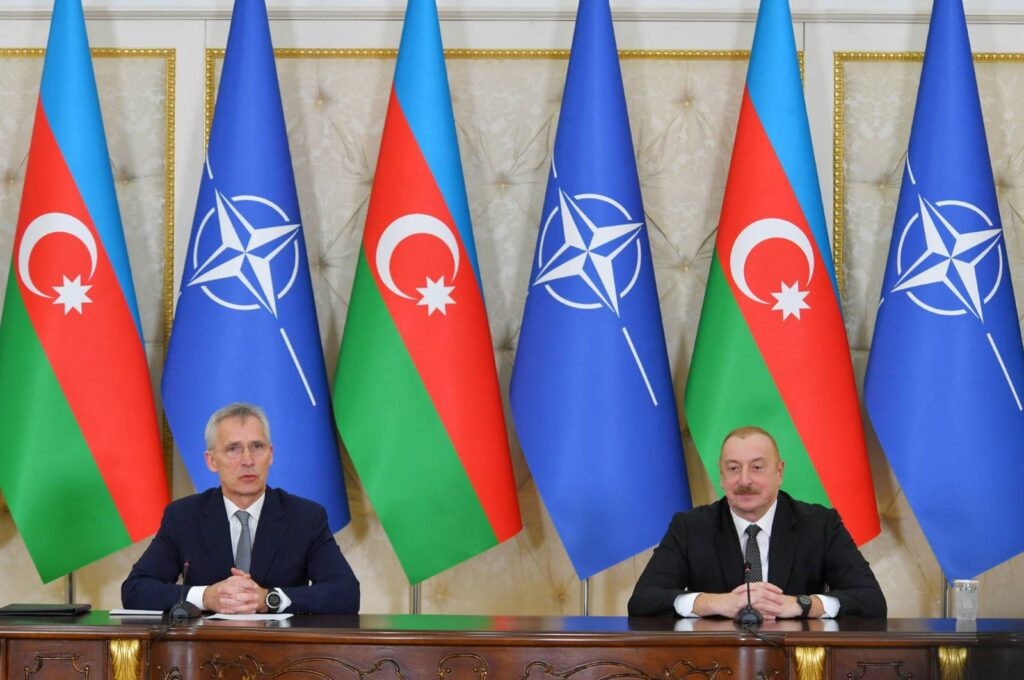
(765, 597)
(237, 594)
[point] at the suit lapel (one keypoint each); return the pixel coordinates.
(782, 546)
(269, 533)
(727, 543)
(216, 533)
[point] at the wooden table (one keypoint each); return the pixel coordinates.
(99, 646)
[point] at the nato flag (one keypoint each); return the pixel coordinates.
(592, 395)
(946, 371)
(245, 327)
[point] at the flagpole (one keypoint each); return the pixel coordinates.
(585, 597)
(945, 595)
(69, 587)
(414, 598)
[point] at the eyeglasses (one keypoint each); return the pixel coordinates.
(235, 450)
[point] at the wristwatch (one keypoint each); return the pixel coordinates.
(274, 601)
(803, 600)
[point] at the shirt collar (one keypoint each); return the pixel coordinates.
(254, 510)
(764, 522)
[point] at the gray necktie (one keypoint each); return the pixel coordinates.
(751, 554)
(243, 553)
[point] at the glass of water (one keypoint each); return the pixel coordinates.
(965, 599)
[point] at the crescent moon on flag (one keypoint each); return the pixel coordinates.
(756, 233)
(401, 229)
(43, 226)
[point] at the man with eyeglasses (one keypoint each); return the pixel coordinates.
(250, 548)
(798, 557)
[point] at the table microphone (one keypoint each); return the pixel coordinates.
(182, 610)
(748, 616)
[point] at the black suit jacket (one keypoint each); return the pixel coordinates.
(809, 549)
(293, 550)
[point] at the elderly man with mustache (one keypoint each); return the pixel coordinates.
(798, 557)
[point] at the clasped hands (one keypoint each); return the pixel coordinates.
(237, 594)
(765, 597)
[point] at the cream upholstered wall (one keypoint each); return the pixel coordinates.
(683, 108)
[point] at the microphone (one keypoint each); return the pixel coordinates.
(182, 610)
(748, 616)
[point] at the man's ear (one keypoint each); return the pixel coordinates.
(209, 461)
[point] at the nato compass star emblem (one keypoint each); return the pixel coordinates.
(949, 262)
(589, 257)
(237, 272)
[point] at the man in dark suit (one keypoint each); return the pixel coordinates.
(801, 550)
(250, 548)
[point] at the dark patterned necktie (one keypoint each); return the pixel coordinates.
(752, 555)
(243, 553)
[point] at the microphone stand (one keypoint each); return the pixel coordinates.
(182, 610)
(748, 617)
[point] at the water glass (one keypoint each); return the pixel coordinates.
(965, 599)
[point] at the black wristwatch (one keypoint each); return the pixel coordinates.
(803, 600)
(273, 601)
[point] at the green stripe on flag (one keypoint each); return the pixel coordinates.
(399, 445)
(58, 498)
(730, 386)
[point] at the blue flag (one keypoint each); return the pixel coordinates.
(592, 395)
(245, 327)
(945, 377)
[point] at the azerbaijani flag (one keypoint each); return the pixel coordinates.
(81, 466)
(416, 392)
(771, 348)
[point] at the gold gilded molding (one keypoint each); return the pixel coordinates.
(952, 662)
(21, 52)
(839, 61)
(810, 663)
(125, 661)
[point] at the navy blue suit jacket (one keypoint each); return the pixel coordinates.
(809, 549)
(293, 550)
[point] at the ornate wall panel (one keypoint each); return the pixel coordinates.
(136, 94)
(875, 96)
(683, 108)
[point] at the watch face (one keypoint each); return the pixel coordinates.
(273, 600)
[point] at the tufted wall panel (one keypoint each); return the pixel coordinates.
(683, 108)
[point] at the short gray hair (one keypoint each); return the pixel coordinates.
(239, 409)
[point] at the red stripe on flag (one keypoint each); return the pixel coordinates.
(95, 353)
(808, 356)
(451, 348)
